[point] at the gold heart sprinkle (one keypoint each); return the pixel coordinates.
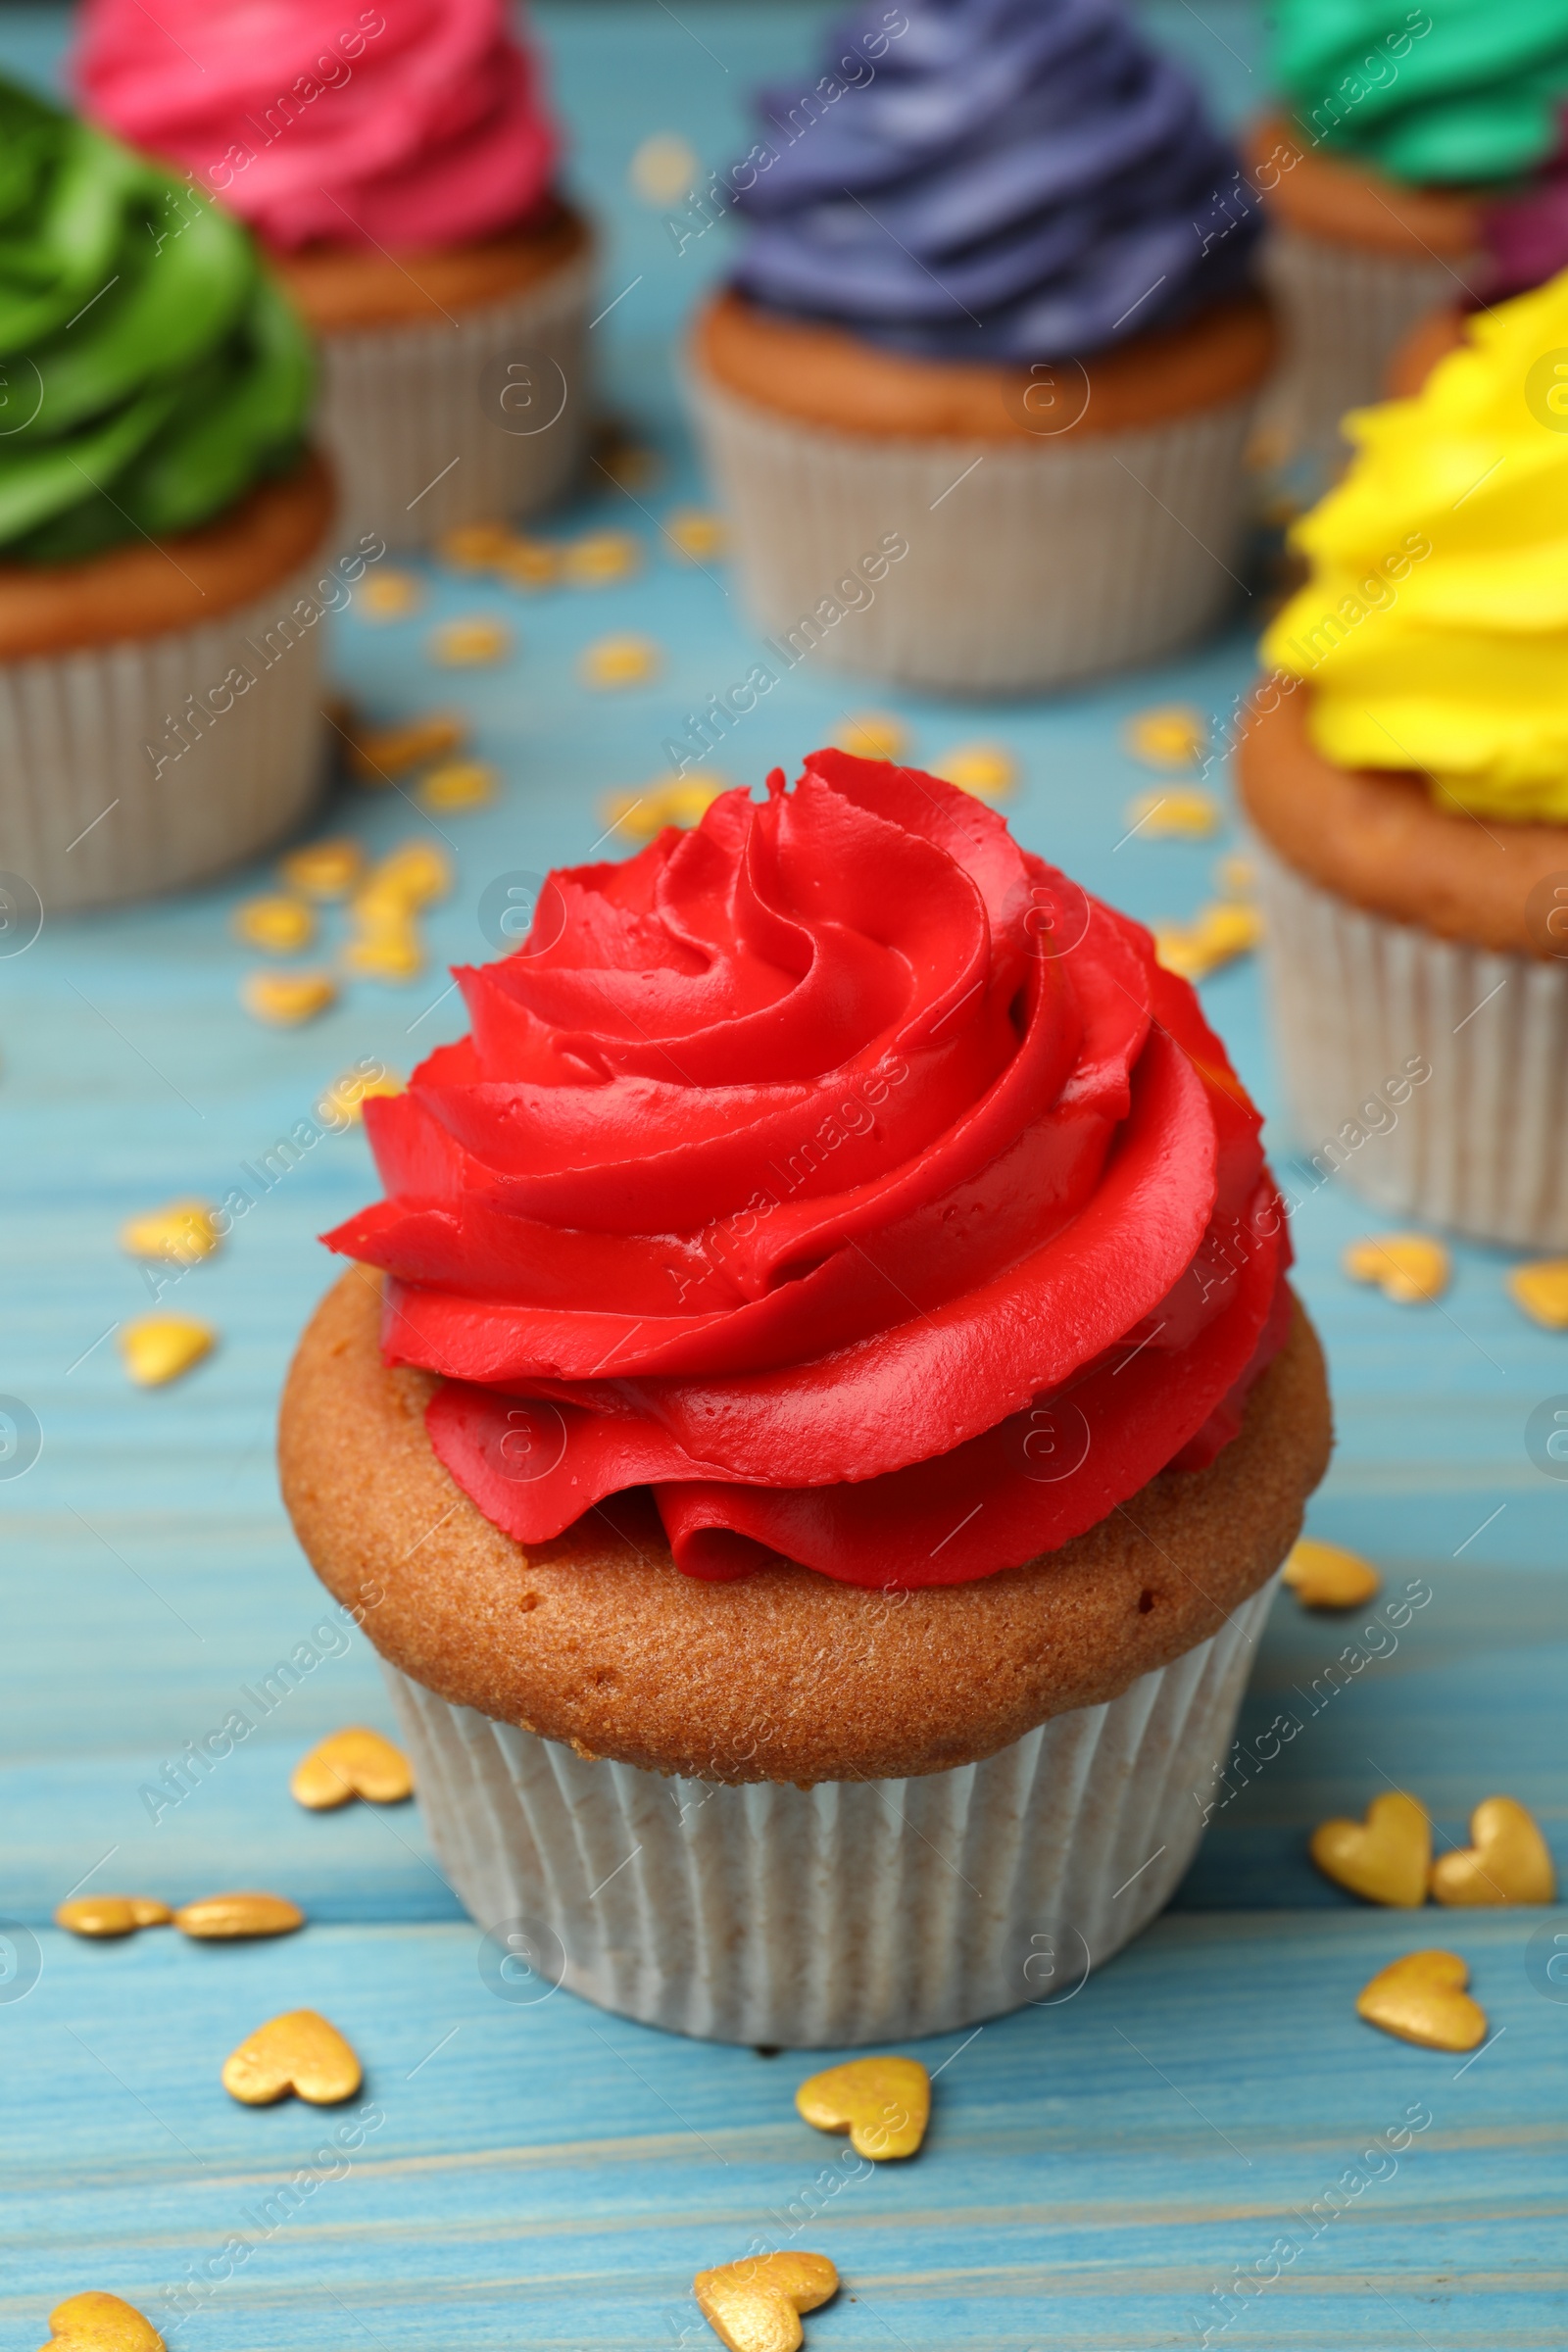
(1217, 934)
(474, 546)
(378, 754)
(1188, 815)
(665, 800)
(611, 662)
(182, 1232)
(100, 2322)
(299, 2051)
(346, 1097)
(663, 170)
(528, 565)
(1541, 1291)
(354, 1762)
(755, 2305)
(471, 644)
(277, 924)
(1383, 1859)
(884, 2104)
(222, 1918)
(326, 870)
(1325, 1575)
(872, 735)
(392, 951)
(390, 595)
(1172, 735)
(111, 1913)
(286, 1000)
(987, 770)
(159, 1348)
(1508, 1861)
(413, 875)
(458, 785)
(601, 558)
(1410, 1268)
(1421, 1998)
(1235, 875)
(699, 536)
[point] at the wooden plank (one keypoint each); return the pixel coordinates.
(551, 2175)
(1096, 2170)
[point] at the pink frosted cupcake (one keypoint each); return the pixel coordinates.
(400, 163)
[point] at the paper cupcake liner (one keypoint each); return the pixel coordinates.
(851, 1912)
(1478, 1145)
(1346, 310)
(101, 799)
(413, 419)
(1027, 565)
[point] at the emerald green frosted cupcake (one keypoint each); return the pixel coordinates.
(1402, 171)
(161, 524)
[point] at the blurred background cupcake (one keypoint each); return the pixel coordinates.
(1415, 166)
(398, 162)
(991, 345)
(1408, 775)
(1526, 237)
(161, 525)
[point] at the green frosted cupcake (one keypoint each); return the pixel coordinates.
(161, 522)
(1406, 145)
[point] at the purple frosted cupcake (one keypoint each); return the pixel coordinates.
(980, 383)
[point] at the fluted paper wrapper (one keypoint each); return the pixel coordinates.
(851, 1912)
(1478, 1145)
(1346, 310)
(87, 816)
(1029, 565)
(412, 419)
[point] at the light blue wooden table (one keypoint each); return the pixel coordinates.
(1098, 2171)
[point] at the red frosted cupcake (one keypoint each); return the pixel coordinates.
(831, 1331)
(400, 163)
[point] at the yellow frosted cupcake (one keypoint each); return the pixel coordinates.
(1407, 769)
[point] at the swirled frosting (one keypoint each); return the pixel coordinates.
(1447, 91)
(150, 372)
(1002, 179)
(1435, 623)
(844, 1174)
(412, 122)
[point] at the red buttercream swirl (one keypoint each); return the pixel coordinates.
(842, 1174)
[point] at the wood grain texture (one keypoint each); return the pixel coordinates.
(549, 2176)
